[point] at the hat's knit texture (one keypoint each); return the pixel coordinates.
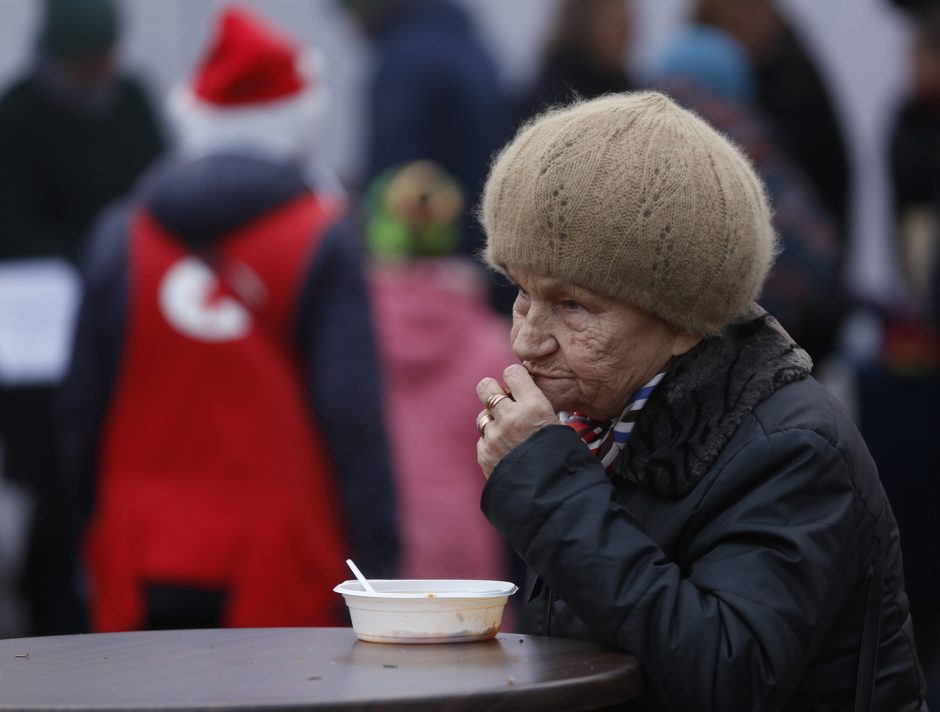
(635, 198)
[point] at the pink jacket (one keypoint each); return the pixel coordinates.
(437, 338)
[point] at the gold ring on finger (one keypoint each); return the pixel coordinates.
(494, 399)
(483, 420)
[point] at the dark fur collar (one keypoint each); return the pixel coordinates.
(705, 396)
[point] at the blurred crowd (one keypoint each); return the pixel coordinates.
(223, 370)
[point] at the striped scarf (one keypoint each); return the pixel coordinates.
(606, 440)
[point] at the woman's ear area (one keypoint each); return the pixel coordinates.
(684, 341)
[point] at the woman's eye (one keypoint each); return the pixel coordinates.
(571, 304)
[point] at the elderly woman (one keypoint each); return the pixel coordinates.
(678, 483)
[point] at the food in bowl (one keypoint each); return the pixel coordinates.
(426, 610)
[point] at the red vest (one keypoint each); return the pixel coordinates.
(212, 470)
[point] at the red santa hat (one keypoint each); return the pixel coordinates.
(255, 88)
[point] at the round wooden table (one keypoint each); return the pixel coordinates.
(308, 668)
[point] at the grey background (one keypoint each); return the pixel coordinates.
(861, 46)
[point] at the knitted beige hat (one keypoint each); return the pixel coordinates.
(633, 197)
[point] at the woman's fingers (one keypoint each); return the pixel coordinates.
(507, 422)
(485, 458)
(487, 387)
(521, 384)
(526, 392)
(484, 418)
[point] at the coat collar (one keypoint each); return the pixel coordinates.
(705, 397)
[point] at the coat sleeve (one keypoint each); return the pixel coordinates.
(85, 393)
(84, 397)
(344, 388)
(733, 625)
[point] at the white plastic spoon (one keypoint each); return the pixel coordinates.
(362, 579)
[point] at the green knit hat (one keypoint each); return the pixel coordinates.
(71, 28)
(633, 197)
(413, 211)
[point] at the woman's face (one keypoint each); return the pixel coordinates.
(587, 352)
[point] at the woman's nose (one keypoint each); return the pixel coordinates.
(531, 336)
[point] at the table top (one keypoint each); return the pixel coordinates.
(308, 668)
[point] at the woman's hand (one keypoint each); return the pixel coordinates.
(511, 420)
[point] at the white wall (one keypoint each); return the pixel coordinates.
(861, 45)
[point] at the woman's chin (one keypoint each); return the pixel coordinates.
(555, 390)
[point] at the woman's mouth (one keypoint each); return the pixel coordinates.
(537, 374)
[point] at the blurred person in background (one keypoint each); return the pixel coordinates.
(222, 416)
(792, 93)
(75, 133)
(795, 103)
(434, 94)
(899, 391)
(915, 159)
(586, 55)
(710, 71)
(437, 337)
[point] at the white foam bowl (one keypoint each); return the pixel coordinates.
(426, 610)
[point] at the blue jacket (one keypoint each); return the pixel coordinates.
(435, 95)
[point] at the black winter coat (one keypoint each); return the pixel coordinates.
(731, 551)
